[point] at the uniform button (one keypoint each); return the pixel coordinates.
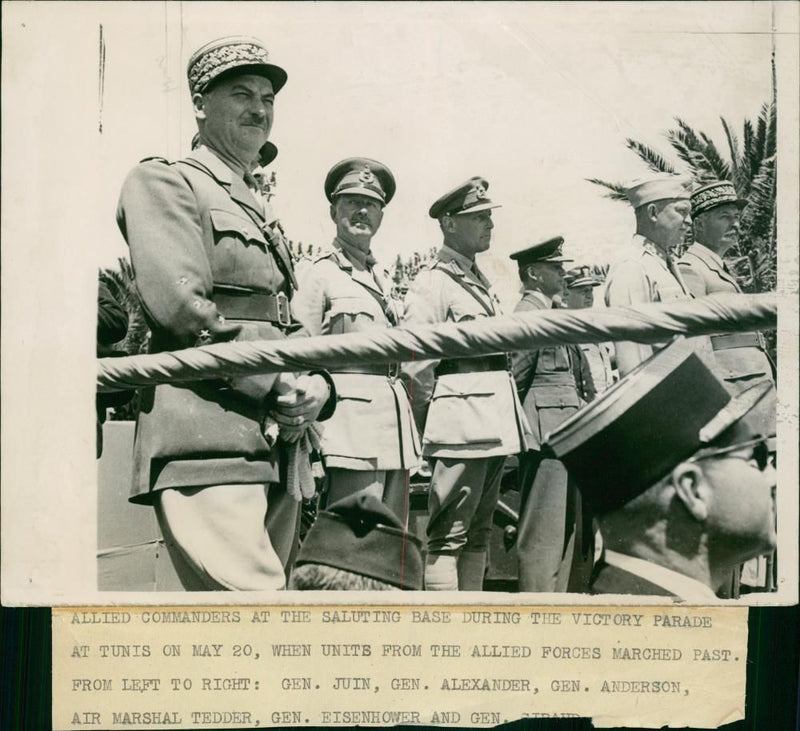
(183, 280)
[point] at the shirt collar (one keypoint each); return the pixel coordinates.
(705, 251)
(467, 265)
(680, 585)
(536, 294)
(649, 247)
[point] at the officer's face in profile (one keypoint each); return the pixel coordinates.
(236, 114)
(357, 217)
(469, 233)
(671, 221)
(580, 297)
(718, 229)
(740, 517)
(549, 277)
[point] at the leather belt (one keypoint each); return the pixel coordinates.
(736, 340)
(390, 371)
(241, 303)
(479, 364)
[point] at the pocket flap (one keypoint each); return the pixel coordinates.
(556, 399)
(463, 385)
(229, 222)
(349, 306)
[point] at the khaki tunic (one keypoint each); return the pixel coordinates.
(641, 274)
(373, 427)
(194, 227)
(475, 412)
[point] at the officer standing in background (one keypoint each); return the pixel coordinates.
(678, 474)
(740, 359)
(371, 442)
(596, 356)
(551, 532)
(467, 408)
(646, 271)
(210, 269)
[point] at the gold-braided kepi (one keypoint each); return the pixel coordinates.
(241, 53)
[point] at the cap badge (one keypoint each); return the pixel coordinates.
(366, 176)
(480, 191)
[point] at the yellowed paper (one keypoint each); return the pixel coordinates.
(212, 667)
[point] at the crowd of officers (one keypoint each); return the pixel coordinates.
(212, 265)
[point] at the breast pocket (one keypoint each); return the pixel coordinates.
(239, 252)
(463, 411)
(349, 314)
(554, 406)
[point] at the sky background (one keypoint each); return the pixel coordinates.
(534, 97)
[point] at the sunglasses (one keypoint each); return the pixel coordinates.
(760, 454)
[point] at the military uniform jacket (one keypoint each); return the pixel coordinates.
(194, 231)
(545, 379)
(475, 411)
(641, 274)
(739, 355)
(373, 427)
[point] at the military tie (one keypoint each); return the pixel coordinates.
(673, 269)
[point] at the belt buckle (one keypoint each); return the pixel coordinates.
(284, 311)
(393, 371)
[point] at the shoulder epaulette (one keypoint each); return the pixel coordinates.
(155, 158)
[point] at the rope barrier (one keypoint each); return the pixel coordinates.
(647, 323)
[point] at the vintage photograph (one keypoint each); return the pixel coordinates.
(458, 297)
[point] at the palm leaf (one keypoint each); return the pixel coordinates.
(733, 148)
(615, 192)
(654, 160)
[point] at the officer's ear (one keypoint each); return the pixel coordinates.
(447, 224)
(333, 210)
(692, 489)
(652, 212)
(198, 103)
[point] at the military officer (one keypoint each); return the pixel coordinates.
(466, 408)
(645, 271)
(579, 294)
(678, 474)
(739, 359)
(551, 520)
(210, 268)
(371, 441)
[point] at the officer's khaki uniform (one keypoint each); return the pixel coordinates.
(468, 411)
(551, 526)
(371, 441)
(641, 274)
(739, 359)
(209, 268)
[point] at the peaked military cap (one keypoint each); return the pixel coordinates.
(580, 277)
(469, 197)
(360, 176)
(663, 412)
(656, 187)
(360, 534)
(242, 54)
(715, 194)
(549, 251)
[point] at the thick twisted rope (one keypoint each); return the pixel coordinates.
(649, 323)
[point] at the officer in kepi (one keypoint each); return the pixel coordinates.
(552, 535)
(739, 359)
(371, 442)
(466, 408)
(678, 473)
(209, 269)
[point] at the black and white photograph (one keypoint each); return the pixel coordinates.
(491, 299)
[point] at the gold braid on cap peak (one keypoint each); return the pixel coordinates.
(218, 60)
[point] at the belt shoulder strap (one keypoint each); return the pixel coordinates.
(487, 307)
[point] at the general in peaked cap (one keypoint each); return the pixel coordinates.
(232, 54)
(360, 176)
(546, 251)
(660, 414)
(469, 197)
(656, 187)
(719, 193)
(360, 535)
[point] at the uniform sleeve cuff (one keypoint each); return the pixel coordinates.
(330, 404)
